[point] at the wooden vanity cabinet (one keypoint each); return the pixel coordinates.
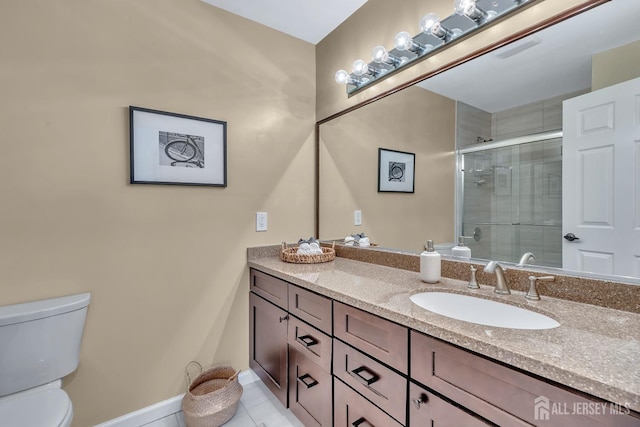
(335, 365)
(292, 357)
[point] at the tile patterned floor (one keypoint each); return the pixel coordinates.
(258, 408)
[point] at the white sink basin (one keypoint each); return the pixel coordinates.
(482, 311)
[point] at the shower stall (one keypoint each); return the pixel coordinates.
(510, 198)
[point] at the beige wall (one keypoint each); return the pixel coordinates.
(415, 121)
(378, 21)
(165, 265)
(615, 66)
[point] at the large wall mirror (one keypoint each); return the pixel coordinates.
(488, 142)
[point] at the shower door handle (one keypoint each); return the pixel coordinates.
(571, 237)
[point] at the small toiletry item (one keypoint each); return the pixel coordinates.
(430, 264)
(461, 251)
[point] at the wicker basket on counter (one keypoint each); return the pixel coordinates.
(290, 254)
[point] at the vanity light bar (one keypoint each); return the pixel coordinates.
(469, 16)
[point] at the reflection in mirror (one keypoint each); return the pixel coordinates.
(506, 95)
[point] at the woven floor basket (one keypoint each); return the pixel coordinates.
(291, 255)
(212, 398)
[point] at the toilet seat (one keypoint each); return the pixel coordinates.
(46, 408)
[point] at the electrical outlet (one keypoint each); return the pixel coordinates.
(357, 217)
(261, 221)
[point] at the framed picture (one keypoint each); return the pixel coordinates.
(396, 171)
(171, 148)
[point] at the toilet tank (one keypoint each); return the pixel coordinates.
(40, 341)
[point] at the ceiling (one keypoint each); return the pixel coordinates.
(309, 20)
(551, 62)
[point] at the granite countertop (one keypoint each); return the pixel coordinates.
(594, 350)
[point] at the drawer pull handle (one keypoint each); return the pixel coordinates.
(283, 318)
(370, 378)
(307, 380)
(307, 340)
(360, 421)
(420, 401)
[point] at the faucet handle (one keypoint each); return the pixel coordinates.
(533, 294)
(473, 283)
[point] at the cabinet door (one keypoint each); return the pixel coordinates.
(268, 345)
(353, 410)
(427, 409)
(309, 391)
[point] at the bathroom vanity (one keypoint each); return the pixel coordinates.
(342, 344)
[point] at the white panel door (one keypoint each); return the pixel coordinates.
(601, 181)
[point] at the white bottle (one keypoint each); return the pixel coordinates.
(430, 265)
(461, 251)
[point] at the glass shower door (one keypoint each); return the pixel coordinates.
(512, 201)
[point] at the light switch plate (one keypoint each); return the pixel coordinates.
(357, 217)
(261, 221)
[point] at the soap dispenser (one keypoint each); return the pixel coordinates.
(461, 251)
(430, 264)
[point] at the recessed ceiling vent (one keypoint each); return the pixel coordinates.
(517, 47)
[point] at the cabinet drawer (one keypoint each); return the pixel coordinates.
(353, 410)
(377, 337)
(309, 341)
(312, 308)
(381, 385)
(309, 391)
(499, 393)
(269, 288)
(427, 409)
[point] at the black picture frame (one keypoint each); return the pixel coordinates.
(396, 171)
(176, 149)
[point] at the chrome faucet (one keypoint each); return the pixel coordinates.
(525, 259)
(502, 287)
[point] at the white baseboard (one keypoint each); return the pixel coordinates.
(165, 408)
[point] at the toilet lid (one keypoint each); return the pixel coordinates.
(39, 409)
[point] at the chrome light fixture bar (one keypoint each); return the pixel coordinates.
(435, 34)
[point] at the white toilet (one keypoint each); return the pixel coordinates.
(39, 345)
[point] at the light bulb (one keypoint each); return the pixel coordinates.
(430, 24)
(469, 8)
(403, 40)
(360, 67)
(462, 6)
(379, 54)
(342, 77)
